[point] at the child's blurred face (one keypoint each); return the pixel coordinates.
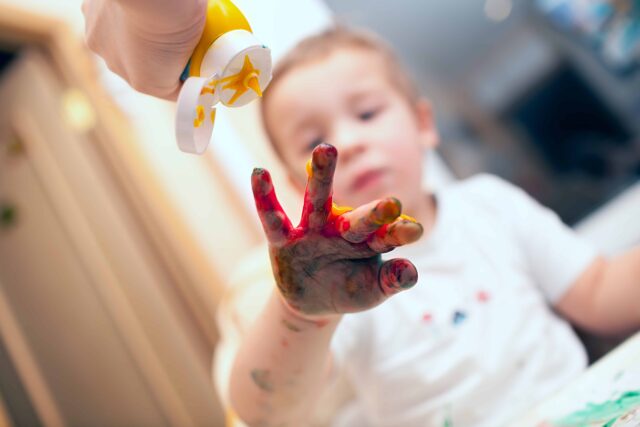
(349, 101)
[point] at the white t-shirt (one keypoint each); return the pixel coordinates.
(475, 342)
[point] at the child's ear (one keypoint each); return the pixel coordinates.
(429, 136)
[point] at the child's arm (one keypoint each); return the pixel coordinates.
(281, 367)
(328, 265)
(606, 297)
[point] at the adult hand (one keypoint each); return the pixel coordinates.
(146, 42)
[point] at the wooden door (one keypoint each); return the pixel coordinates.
(87, 317)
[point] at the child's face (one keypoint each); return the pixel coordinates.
(347, 100)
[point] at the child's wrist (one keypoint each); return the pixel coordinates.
(303, 321)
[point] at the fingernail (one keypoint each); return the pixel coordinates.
(400, 276)
(405, 276)
(411, 231)
(260, 180)
(387, 211)
(323, 155)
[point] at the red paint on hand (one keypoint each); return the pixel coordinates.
(330, 263)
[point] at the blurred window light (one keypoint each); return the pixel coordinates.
(77, 110)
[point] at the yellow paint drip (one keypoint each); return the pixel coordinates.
(199, 116)
(251, 81)
(339, 210)
(245, 79)
(309, 169)
(213, 116)
(206, 90)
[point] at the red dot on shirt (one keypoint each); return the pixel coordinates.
(426, 317)
(482, 296)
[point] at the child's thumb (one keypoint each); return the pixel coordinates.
(397, 275)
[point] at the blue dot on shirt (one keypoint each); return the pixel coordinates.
(459, 317)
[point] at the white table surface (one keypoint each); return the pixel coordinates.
(607, 379)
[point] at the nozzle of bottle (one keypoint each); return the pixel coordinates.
(229, 65)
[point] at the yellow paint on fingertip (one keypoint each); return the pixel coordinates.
(385, 212)
(390, 212)
(231, 418)
(339, 210)
(309, 169)
(408, 218)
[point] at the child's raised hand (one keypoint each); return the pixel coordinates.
(330, 263)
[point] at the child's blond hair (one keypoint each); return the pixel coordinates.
(317, 47)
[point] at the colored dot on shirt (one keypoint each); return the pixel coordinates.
(482, 296)
(427, 317)
(459, 317)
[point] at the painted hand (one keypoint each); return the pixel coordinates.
(330, 264)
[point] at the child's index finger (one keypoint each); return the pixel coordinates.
(317, 198)
(275, 222)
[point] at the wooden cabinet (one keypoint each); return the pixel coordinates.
(100, 320)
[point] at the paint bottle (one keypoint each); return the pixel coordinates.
(229, 65)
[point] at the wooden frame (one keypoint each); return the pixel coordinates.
(27, 369)
(166, 239)
(167, 236)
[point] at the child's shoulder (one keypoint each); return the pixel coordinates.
(486, 193)
(484, 187)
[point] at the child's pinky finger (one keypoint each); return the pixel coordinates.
(397, 275)
(275, 222)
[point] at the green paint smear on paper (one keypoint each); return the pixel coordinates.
(606, 412)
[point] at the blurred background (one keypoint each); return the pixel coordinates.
(544, 93)
(115, 247)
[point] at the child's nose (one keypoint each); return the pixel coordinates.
(349, 143)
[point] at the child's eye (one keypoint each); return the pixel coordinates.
(367, 115)
(314, 143)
